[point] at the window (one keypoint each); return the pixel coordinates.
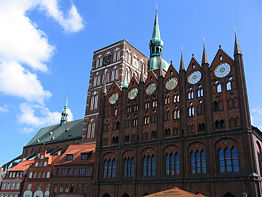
(45, 163)
(154, 103)
(43, 175)
(64, 171)
(47, 187)
(38, 187)
(110, 168)
(91, 129)
(200, 91)
(190, 94)
(220, 124)
(134, 122)
(84, 156)
(219, 89)
(176, 114)
(129, 167)
(172, 164)
(69, 157)
(191, 110)
(17, 186)
(176, 98)
(198, 162)
(217, 105)
(88, 172)
(29, 186)
(35, 174)
(147, 105)
(146, 120)
(149, 165)
(48, 174)
(75, 171)
(229, 85)
(81, 171)
(69, 171)
(228, 159)
(166, 116)
(36, 164)
(167, 100)
(30, 175)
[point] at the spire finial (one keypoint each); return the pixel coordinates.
(182, 64)
(237, 49)
(204, 57)
(125, 81)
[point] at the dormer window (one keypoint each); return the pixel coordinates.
(69, 157)
(84, 156)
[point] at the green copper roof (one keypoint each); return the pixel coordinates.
(125, 85)
(156, 38)
(57, 133)
(154, 63)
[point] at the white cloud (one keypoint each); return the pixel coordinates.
(28, 130)
(3, 108)
(24, 50)
(257, 110)
(15, 80)
(43, 118)
(72, 23)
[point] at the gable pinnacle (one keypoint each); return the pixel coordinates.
(237, 49)
(125, 82)
(204, 57)
(161, 73)
(182, 64)
(142, 74)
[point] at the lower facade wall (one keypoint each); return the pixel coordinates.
(210, 189)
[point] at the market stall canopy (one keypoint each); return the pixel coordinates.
(175, 192)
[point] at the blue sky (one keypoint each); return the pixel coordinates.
(46, 49)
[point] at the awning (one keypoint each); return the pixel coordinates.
(175, 192)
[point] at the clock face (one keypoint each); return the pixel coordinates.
(113, 98)
(194, 77)
(151, 88)
(132, 93)
(171, 83)
(222, 70)
(107, 59)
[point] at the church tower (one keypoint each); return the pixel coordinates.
(110, 65)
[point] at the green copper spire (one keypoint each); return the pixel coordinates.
(156, 48)
(156, 43)
(64, 114)
(125, 82)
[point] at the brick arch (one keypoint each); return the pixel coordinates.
(145, 152)
(197, 145)
(226, 142)
(167, 148)
(128, 153)
(107, 155)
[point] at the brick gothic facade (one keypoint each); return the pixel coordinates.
(155, 128)
(189, 128)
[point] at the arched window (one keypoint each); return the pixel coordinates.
(112, 75)
(101, 61)
(149, 165)
(96, 101)
(114, 56)
(172, 164)
(229, 85)
(97, 62)
(109, 167)
(198, 162)
(117, 55)
(228, 159)
(98, 80)
(132, 167)
(116, 74)
(167, 164)
(94, 81)
(219, 89)
(114, 168)
(145, 166)
(89, 130)
(92, 134)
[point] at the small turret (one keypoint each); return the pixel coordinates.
(64, 114)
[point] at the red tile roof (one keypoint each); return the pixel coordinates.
(76, 151)
(22, 166)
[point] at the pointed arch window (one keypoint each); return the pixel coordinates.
(116, 74)
(172, 164)
(228, 159)
(117, 54)
(219, 88)
(191, 110)
(198, 162)
(129, 167)
(149, 168)
(229, 85)
(112, 75)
